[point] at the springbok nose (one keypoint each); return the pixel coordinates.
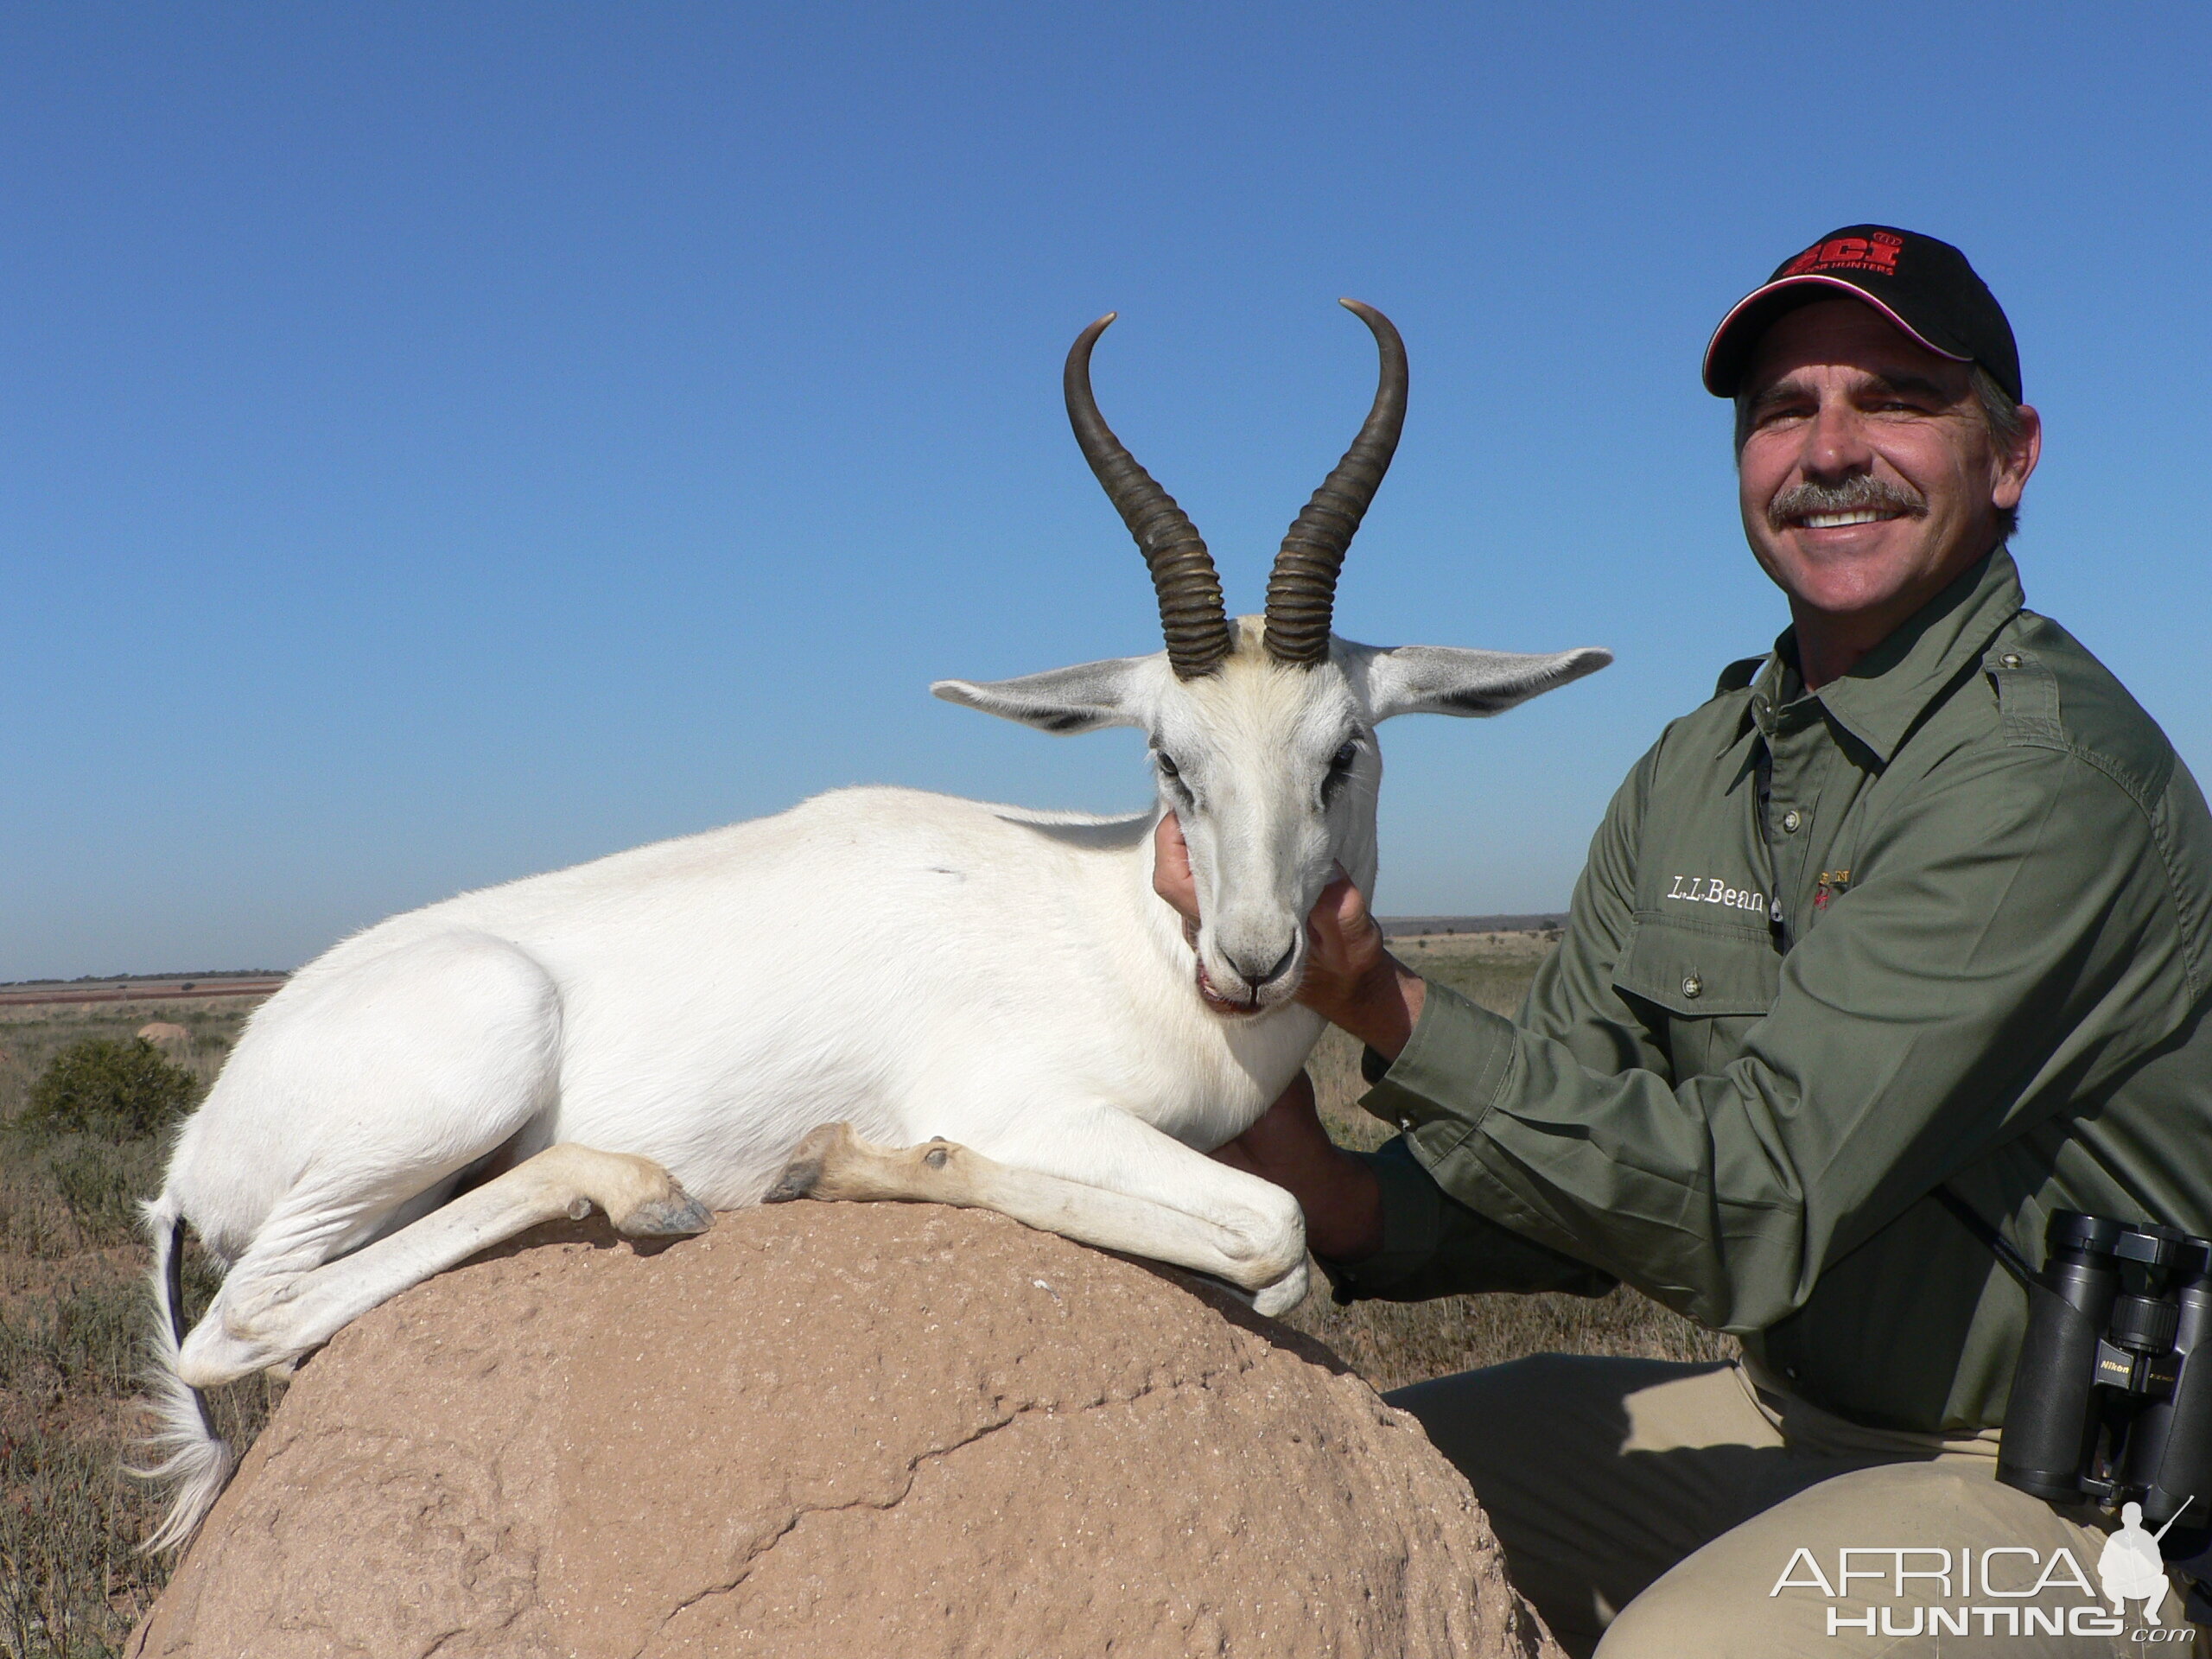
(1269, 975)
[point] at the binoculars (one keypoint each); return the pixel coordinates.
(2112, 1398)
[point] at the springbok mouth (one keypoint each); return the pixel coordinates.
(1220, 1004)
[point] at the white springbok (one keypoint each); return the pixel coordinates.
(880, 994)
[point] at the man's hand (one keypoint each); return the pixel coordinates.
(1341, 1198)
(1351, 979)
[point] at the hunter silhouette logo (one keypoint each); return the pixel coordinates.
(2130, 1568)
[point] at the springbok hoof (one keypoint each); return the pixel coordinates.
(810, 1157)
(1274, 1301)
(1286, 1292)
(678, 1214)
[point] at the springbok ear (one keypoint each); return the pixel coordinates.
(1448, 680)
(1085, 698)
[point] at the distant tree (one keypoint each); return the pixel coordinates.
(121, 1089)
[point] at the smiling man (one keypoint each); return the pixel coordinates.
(1900, 943)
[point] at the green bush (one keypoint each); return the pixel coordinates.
(100, 1086)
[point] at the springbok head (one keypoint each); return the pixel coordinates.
(1262, 728)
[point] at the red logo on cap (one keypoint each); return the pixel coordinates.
(1877, 252)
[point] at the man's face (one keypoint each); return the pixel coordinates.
(1868, 475)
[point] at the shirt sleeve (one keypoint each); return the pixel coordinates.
(1975, 961)
(1433, 1245)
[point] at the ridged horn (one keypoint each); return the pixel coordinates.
(1190, 613)
(1302, 588)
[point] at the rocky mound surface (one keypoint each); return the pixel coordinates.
(841, 1430)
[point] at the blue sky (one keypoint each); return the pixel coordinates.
(442, 443)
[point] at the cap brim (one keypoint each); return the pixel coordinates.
(1730, 349)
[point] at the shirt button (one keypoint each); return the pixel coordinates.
(1693, 986)
(1790, 820)
(2010, 659)
(1791, 1372)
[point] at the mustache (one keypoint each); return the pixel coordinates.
(1860, 492)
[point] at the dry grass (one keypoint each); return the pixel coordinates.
(74, 1314)
(73, 1310)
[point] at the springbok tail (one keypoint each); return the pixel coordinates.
(183, 1451)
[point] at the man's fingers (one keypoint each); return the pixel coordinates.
(1339, 914)
(1351, 903)
(1171, 869)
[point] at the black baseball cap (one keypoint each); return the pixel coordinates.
(1925, 287)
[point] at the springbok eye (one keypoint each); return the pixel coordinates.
(1339, 772)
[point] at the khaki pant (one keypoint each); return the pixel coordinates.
(1650, 1508)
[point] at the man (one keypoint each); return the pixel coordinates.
(1905, 936)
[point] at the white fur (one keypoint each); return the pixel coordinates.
(911, 965)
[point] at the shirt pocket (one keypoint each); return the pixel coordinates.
(1705, 986)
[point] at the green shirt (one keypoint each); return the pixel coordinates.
(1945, 920)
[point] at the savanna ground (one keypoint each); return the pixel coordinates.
(74, 1309)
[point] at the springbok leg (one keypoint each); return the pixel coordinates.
(1141, 1192)
(263, 1317)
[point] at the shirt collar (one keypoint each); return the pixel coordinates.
(1890, 688)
